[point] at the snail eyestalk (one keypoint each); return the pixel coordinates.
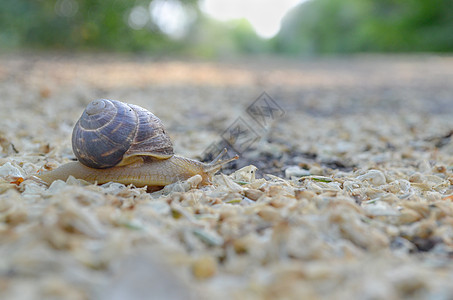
(217, 163)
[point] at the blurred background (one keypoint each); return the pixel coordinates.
(200, 64)
(216, 29)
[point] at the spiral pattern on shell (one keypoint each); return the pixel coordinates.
(109, 131)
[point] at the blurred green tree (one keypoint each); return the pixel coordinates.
(343, 26)
(80, 24)
(313, 27)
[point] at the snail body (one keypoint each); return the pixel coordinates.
(125, 143)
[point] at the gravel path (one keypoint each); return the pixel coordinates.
(352, 196)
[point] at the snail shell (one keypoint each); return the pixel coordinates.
(112, 133)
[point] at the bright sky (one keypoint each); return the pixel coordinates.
(264, 15)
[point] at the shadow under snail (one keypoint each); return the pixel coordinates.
(125, 143)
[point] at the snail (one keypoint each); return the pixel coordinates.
(125, 143)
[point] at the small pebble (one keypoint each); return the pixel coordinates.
(253, 194)
(375, 177)
(296, 171)
(204, 267)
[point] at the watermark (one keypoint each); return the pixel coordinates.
(240, 136)
(264, 110)
(248, 129)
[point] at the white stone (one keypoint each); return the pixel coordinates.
(375, 177)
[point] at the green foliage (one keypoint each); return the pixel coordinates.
(343, 26)
(77, 24)
(313, 27)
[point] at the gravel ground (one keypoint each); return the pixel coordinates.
(352, 197)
